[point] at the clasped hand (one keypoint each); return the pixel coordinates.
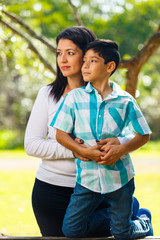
(107, 152)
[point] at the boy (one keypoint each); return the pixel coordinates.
(95, 112)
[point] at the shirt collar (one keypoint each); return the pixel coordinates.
(117, 91)
(89, 88)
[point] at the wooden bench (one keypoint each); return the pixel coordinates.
(64, 238)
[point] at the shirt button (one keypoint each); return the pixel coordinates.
(99, 135)
(99, 116)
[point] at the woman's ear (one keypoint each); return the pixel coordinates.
(111, 66)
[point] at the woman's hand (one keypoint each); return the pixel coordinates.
(109, 141)
(90, 153)
(77, 155)
(81, 157)
(105, 153)
(94, 153)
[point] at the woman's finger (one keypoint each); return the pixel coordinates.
(78, 140)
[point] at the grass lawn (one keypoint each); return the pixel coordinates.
(17, 218)
(148, 194)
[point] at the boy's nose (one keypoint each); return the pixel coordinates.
(86, 65)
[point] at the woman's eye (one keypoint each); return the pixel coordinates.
(59, 53)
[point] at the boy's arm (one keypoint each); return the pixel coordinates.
(135, 122)
(114, 152)
(92, 153)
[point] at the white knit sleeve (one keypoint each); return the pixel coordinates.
(36, 142)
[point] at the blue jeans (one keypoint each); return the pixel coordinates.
(80, 218)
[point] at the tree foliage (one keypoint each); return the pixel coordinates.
(27, 60)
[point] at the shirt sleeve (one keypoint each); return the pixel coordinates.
(64, 118)
(135, 120)
(125, 136)
(36, 142)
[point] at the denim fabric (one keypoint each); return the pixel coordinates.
(80, 220)
(50, 202)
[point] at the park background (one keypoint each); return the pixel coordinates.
(28, 29)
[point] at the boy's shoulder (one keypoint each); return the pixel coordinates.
(123, 93)
(75, 91)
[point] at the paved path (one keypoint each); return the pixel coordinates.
(24, 162)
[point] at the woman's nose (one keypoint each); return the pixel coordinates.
(64, 58)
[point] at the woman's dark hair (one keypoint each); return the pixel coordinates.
(81, 36)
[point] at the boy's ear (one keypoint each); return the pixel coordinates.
(111, 66)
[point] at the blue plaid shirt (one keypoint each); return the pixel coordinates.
(90, 118)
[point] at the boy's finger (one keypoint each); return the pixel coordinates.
(106, 156)
(105, 163)
(105, 148)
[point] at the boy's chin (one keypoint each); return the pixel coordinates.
(86, 80)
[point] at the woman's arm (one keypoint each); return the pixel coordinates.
(92, 153)
(36, 140)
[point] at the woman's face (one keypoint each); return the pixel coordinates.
(69, 58)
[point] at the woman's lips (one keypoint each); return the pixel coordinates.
(65, 67)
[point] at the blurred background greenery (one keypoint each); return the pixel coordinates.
(130, 23)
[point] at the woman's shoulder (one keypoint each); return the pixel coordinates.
(45, 90)
(44, 94)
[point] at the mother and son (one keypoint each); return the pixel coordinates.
(94, 123)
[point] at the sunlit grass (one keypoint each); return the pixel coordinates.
(148, 194)
(17, 218)
(13, 154)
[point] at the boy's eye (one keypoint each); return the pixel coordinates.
(93, 60)
(70, 53)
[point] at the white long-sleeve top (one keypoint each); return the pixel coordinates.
(57, 166)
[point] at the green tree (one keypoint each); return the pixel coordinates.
(27, 47)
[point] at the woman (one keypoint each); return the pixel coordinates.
(55, 178)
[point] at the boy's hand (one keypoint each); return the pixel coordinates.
(94, 153)
(112, 154)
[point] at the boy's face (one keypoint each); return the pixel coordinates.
(93, 68)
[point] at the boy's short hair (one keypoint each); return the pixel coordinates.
(106, 49)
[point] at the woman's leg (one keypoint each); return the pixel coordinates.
(49, 205)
